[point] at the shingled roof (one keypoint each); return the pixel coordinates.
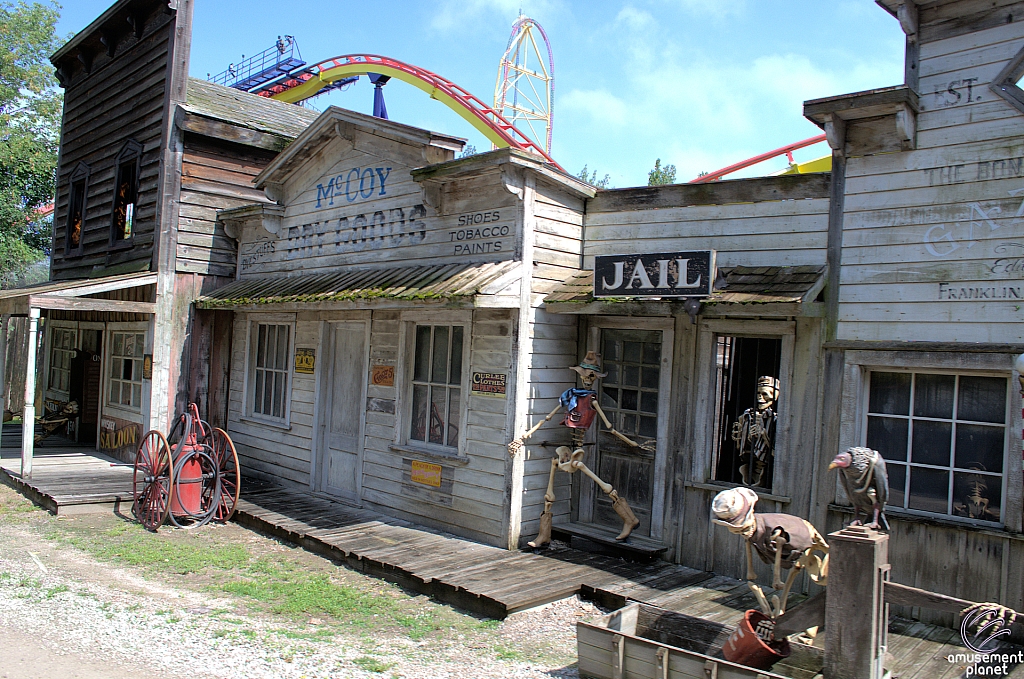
(736, 285)
(246, 110)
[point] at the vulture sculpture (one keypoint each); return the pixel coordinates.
(862, 473)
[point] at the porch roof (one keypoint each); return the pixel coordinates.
(444, 283)
(73, 295)
(737, 285)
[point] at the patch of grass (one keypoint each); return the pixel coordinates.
(53, 591)
(131, 544)
(371, 664)
(322, 634)
(506, 653)
(14, 507)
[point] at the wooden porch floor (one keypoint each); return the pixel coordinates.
(66, 478)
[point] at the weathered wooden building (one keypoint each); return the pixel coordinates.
(375, 320)
(882, 300)
(147, 156)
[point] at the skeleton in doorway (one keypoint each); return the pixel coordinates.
(782, 541)
(754, 432)
(581, 408)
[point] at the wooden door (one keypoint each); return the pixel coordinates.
(630, 395)
(341, 460)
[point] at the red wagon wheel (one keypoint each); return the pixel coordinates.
(226, 459)
(152, 481)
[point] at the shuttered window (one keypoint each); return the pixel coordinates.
(270, 347)
(944, 440)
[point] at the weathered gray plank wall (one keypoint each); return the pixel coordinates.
(121, 97)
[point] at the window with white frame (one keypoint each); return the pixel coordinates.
(269, 349)
(125, 380)
(944, 440)
(62, 350)
(437, 385)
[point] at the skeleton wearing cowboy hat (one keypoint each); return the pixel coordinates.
(581, 408)
(783, 541)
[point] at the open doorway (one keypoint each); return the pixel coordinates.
(86, 371)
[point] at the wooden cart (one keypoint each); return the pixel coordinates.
(646, 642)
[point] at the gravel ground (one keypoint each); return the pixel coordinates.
(92, 612)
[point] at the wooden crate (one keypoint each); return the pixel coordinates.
(646, 642)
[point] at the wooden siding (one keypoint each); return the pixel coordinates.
(476, 507)
(121, 98)
(215, 175)
(775, 233)
(339, 213)
(931, 247)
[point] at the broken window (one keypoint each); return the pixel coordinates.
(746, 409)
(76, 211)
(126, 193)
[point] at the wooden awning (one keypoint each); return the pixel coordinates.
(773, 288)
(75, 295)
(491, 284)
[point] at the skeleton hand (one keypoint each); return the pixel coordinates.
(984, 614)
(514, 446)
(756, 429)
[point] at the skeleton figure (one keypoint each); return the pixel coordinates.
(754, 432)
(581, 408)
(781, 540)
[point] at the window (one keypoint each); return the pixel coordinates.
(62, 349)
(76, 211)
(746, 409)
(437, 385)
(126, 192)
(126, 354)
(270, 347)
(943, 438)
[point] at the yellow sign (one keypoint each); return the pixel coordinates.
(489, 384)
(426, 473)
(305, 361)
(382, 375)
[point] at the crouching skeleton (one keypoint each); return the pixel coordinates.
(782, 541)
(581, 408)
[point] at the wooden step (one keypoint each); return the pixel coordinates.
(588, 537)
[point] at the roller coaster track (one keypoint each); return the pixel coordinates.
(495, 127)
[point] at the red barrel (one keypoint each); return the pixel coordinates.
(189, 482)
(745, 647)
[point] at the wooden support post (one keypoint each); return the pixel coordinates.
(856, 616)
(28, 413)
(5, 321)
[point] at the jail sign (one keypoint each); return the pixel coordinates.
(666, 274)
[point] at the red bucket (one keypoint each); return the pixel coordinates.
(745, 647)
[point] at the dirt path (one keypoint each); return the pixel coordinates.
(96, 596)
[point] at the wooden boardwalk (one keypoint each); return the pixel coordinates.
(66, 478)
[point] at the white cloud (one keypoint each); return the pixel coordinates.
(714, 8)
(599, 107)
(634, 19)
(462, 15)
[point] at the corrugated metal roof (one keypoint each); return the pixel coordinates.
(436, 282)
(247, 110)
(742, 285)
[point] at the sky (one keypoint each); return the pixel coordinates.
(700, 84)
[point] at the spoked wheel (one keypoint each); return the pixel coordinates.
(152, 481)
(226, 458)
(196, 492)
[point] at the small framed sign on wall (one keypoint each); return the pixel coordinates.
(665, 274)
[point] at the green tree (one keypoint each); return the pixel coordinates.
(30, 116)
(660, 176)
(593, 180)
